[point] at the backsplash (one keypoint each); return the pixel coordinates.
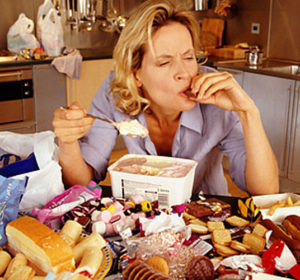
(278, 19)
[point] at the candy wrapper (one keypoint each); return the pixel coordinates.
(278, 257)
(11, 191)
(66, 201)
(161, 223)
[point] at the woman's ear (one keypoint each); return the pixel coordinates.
(138, 82)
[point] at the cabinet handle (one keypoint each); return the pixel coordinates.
(297, 99)
(11, 74)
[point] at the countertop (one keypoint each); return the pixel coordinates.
(272, 67)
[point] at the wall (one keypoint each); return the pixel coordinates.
(279, 25)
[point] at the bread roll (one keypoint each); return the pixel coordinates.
(18, 261)
(22, 273)
(45, 249)
(90, 262)
(71, 232)
(93, 240)
(5, 259)
(292, 226)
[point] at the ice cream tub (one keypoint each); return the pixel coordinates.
(166, 179)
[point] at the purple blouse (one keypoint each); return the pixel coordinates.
(204, 134)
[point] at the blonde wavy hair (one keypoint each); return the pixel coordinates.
(131, 46)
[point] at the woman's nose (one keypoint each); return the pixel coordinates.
(181, 72)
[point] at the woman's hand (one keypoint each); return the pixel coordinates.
(222, 90)
(71, 123)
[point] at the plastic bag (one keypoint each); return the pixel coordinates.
(52, 34)
(45, 183)
(11, 191)
(20, 35)
(42, 12)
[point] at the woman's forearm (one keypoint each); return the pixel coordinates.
(74, 169)
(261, 166)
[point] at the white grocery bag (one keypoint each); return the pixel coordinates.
(20, 35)
(42, 12)
(52, 34)
(45, 183)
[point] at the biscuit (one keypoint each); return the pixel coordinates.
(139, 274)
(255, 242)
(260, 230)
(225, 251)
(135, 271)
(198, 228)
(237, 221)
(236, 245)
(129, 268)
(200, 267)
(146, 275)
(158, 263)
(211, 225)
(221, 236)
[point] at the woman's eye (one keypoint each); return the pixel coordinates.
(190, 57)
(163, 63)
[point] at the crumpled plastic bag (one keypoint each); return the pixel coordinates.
(11, 191)
(46, 183)
(20, 35)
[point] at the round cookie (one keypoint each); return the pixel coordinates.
(236, 245)
(142, 271)
(146, 275)
(158, 263)
(135, 271)
(200, 268)
(129, 268)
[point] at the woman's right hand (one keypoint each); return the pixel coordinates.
(71, 123)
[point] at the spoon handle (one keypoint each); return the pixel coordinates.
(102, 119)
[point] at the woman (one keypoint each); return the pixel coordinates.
(155, 65)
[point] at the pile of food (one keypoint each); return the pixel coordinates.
(133, 238)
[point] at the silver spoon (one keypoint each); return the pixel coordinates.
(128, 127)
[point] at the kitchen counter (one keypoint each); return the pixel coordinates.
(271, 67)
(87, 54)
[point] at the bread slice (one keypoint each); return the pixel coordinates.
(260, 230)
(44, 248)
(237, 221)
(221, 236)
(255, 242)
(211, 225)
(225, 251)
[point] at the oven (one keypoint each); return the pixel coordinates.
(17, 111)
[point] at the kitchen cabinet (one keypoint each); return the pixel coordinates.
(49, 88)
(92, 74)
(274, 98)
(294, 159)
(238, 75)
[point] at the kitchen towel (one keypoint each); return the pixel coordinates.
(69, 63)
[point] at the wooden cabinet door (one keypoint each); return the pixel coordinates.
(92, 74)
(294, 162)
(273, 96)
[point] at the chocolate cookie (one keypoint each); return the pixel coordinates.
(200, 268)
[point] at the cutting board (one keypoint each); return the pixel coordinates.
(211, 32)
(228, 52)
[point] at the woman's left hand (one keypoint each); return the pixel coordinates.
(222, 90)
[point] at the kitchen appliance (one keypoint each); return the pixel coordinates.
(16, 99)
(254, 57)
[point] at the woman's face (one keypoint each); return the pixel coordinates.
(165, 74)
